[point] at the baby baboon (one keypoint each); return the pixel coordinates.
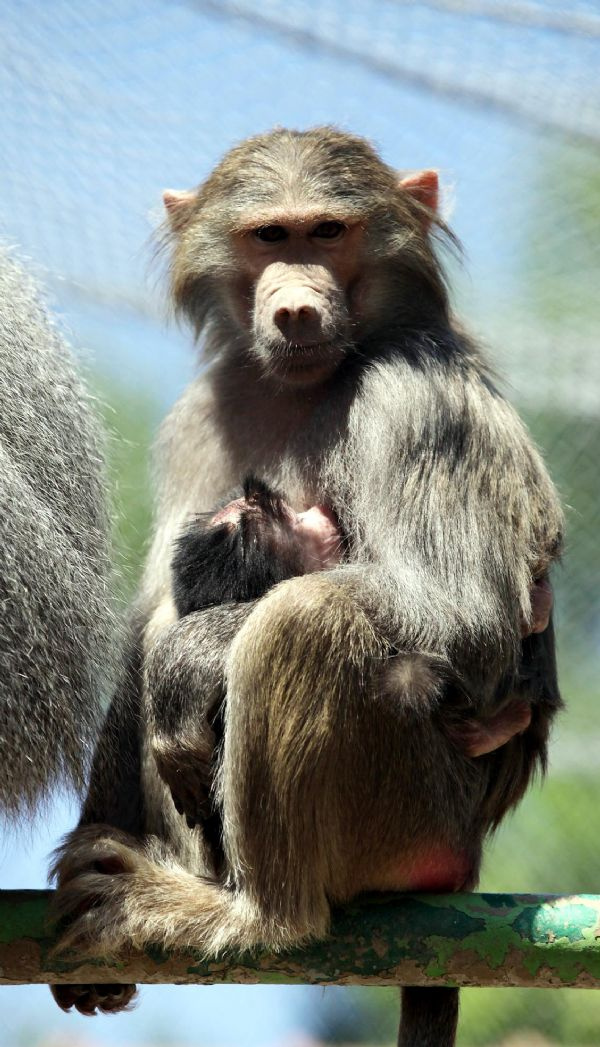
(248, 546)
(235, 555)
(337, 373)
(57, 636)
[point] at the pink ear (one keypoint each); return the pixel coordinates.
(424, 186)
(178, 204)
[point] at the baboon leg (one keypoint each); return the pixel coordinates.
(125, 802)
(115, 800)
(114, 794)
(298, 687)
(333, 780)
(283, 743)
(312, 754)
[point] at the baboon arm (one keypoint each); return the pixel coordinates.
(184, 671)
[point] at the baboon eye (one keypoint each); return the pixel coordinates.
(329, 230)
(271, 234)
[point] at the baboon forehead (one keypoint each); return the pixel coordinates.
(293, 169)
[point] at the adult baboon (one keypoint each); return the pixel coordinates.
(337, 373)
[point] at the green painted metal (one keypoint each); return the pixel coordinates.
(456, 939)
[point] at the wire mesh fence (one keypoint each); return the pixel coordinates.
(104, 104)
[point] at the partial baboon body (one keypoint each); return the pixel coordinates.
(337, 374)
(57, 636)
(236, 555)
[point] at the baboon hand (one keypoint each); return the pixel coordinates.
(188, 768)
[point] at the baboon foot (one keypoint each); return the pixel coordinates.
(97, 870)
(117, 894)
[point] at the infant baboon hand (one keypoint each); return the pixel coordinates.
(188, 769)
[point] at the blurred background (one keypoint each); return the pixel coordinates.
(102, 105)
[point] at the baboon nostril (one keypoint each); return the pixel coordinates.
(293, 320)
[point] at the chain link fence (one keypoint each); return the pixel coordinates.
(105, 103)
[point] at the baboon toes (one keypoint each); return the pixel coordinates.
(89, 999)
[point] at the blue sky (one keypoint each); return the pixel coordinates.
(109, 103)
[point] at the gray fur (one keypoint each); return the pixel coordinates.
(57, 637)
(338, 765)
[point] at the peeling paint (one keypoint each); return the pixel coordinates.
(458, 939)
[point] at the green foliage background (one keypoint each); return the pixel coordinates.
(131, 419)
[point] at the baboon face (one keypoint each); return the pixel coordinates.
(298, 271)
(301, 241)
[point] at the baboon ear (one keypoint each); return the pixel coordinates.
(424, 186)
(178, 204)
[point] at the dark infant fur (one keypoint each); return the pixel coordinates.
(223, 564)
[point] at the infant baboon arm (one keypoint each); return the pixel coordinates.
(185, 690)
